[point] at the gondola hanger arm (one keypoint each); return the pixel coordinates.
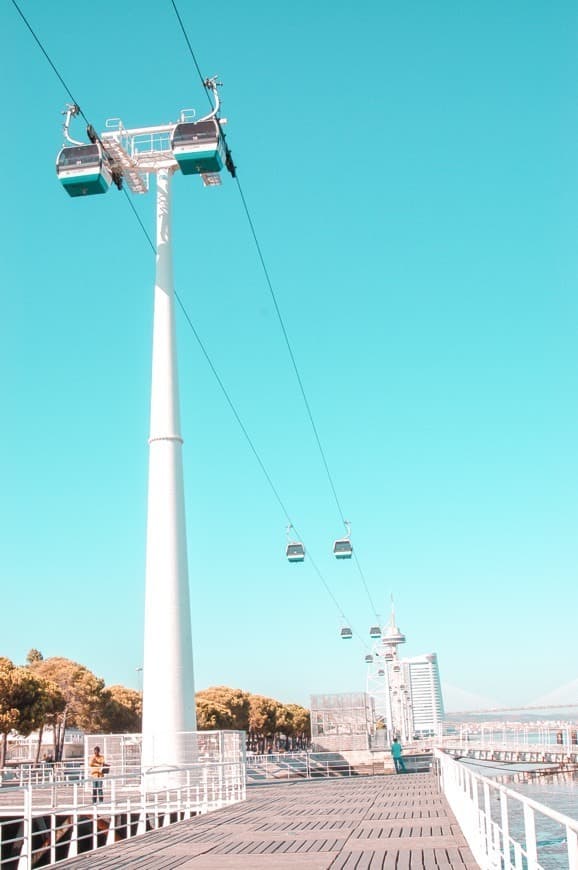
(212, 84)
(71, 111)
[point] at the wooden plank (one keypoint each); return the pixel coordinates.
(358, 824)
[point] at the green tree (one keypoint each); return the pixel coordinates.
(121, 711)
(285, 726)
(262, 721)
(301, 726)
(82, 692)
(221, 707)
(24, 699)
(34, 655)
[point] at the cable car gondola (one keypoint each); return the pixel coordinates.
(83, 170)
(375, 632)
(346, 633)
(295, 551)
(198, 147)
(342, 548)
(368, 659)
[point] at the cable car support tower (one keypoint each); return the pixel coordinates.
(196, 147)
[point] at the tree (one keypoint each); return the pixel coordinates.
(221, 707)
(262, 721)
(301, 725)
(122, 710)
(285, 725)
(34, 655)
(83, 697)
(24, 700)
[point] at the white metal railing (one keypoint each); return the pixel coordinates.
(506, 829)
(28, 773)
(478, 742)
(314, 765)
(296, 765)
(48, 822)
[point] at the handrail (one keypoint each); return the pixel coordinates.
(128, 807)
(473, 797)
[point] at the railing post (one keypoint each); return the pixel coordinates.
(530, 835)
(505, 831)
(572, 842)
(73, 846)
(487, 819)
(25, 861)
(52, 838)
(94, 821)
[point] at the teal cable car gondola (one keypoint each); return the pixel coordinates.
(295, 551)
(83, 170)
(342, 548)
(346, 633)
(198, 147)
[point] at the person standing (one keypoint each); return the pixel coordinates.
(96, 764)
(396, 751)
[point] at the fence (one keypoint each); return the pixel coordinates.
(49, 822)
(315, 765)
(505, 829)
(50, 812)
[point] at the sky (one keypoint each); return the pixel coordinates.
(411, 173)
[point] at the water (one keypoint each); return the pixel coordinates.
(556, 790)
(559, 791)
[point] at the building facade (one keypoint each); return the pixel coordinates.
(427, 706)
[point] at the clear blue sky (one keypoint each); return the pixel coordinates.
(412, 174)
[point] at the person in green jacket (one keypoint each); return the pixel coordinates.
(396, 750)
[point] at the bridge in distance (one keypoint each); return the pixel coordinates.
(512, 709)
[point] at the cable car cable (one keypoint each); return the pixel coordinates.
(190, 323)
(248, 437)
(246, 434)
(91, 133)
(250, 441)
(192, 53)
(48, 58)
(232, 169)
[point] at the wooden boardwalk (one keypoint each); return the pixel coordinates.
(362, 823)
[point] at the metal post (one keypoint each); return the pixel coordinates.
(530, 835)
(168, 681)
(507, 861)
(572, 841)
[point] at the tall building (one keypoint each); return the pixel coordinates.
(427, 704)
(406, 693)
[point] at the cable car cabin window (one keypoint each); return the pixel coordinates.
(82, 155)
(191, 134)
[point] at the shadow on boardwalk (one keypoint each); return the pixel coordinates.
(393, 823)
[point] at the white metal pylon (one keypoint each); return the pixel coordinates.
(168, 681)
(132, 156)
